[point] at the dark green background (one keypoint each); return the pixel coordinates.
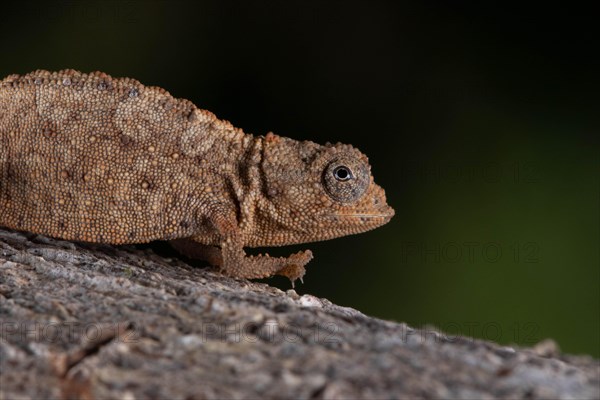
(479, 123)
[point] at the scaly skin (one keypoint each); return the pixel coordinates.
(92, 158)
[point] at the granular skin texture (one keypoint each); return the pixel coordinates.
(88, 157)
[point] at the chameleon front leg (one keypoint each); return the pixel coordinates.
(233, 261)
(237, 263)
(231, 258)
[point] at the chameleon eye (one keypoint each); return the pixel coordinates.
(346, 178)
(342, 173)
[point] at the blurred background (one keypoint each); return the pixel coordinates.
(480, 123)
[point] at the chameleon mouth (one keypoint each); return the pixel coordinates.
(359, 215)
(386, 213)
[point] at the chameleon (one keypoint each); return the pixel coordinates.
(92, 158)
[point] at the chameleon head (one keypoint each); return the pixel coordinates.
(355, 203)
(319, 192)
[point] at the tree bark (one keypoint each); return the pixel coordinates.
(84, 321)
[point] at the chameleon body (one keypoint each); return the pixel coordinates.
(88, 157)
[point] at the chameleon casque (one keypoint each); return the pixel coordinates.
(88, 157)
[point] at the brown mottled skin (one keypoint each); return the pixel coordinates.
(93, 158)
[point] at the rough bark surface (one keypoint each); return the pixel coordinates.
(80, 321)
